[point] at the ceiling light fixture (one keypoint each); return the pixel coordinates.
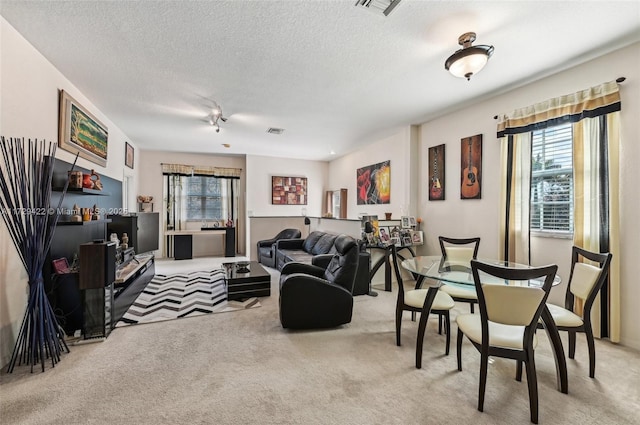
(216, 115)
(470, 59)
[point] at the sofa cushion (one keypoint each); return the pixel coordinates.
(311, 240)
(296, 255)
(324, 244)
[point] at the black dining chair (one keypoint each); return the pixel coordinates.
(413, 300)
(506, 325)
(585, 281)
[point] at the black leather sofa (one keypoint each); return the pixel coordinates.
(267, 247)
(318, 248)
(320, 297)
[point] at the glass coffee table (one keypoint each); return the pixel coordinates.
(246, 279)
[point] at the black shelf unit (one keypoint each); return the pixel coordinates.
(83, 223)
(82, 191)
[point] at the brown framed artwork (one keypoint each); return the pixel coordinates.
(128, 155)
(436, 173)
(373, 184)
(471, 166)
(288, 190)
(80, 132)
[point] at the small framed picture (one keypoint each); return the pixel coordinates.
(417, 237)
(406, 240)
(395, 240)
(128, 155)
(385, 234)
(406, 223)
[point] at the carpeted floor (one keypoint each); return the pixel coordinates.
(243, 368)
(179, 295)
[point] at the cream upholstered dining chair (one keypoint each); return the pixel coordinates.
(585, 281)
(507, 322)
(460, 251)
(413, 301)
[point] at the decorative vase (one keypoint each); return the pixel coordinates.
(387, 216)
(87, 183)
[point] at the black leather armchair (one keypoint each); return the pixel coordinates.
(315, 297)
(267, 250)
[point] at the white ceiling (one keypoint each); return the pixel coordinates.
(333, 75)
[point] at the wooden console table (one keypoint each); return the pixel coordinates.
(386, 260)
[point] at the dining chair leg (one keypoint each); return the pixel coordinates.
(413, 316)
(592, 352)
(572, 344)
(439, 324)
(472, 304)
(447, 324)
(484, 364)
(532, 382)
(459, 349)
(518, 370)
(398, 324)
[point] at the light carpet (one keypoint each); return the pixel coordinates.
(237, 369)
(178, 295)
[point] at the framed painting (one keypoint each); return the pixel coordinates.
(471, 166)
(436, 173)
(80, 132)
(288, 190)
(373, 184)
(128, 155)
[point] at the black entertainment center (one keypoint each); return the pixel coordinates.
(93, 296)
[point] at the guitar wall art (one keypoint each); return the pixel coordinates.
(471, 164)
(436, 173)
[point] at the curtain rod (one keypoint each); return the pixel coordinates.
(618, 80)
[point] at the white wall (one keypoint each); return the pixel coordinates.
(260, 169)
(455, 217)
(397, 149)
(29, 87)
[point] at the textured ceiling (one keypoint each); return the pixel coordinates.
(333, 75)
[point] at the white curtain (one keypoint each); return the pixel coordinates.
(595, 114)
(515, 190)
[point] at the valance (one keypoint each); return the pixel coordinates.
(595, 101)
(201, 170)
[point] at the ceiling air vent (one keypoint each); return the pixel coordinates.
(384, 7)
(274, 130)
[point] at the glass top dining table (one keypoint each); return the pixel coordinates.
(433, 271)
(459, 273)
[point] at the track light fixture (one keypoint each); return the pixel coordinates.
(215, 116)
(470, 59)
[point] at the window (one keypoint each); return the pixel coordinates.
(204, 198)
(552, 180)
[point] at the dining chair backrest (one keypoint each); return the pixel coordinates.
(456, 254)
(586, 280)
(459, 250)
(512, 304)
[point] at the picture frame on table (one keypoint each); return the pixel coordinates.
(405, 221)
(417, 237)
(395, 240)
(128, 155)
(385, 235)
(406, 241)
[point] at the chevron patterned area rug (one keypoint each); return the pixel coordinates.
(179, 295)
